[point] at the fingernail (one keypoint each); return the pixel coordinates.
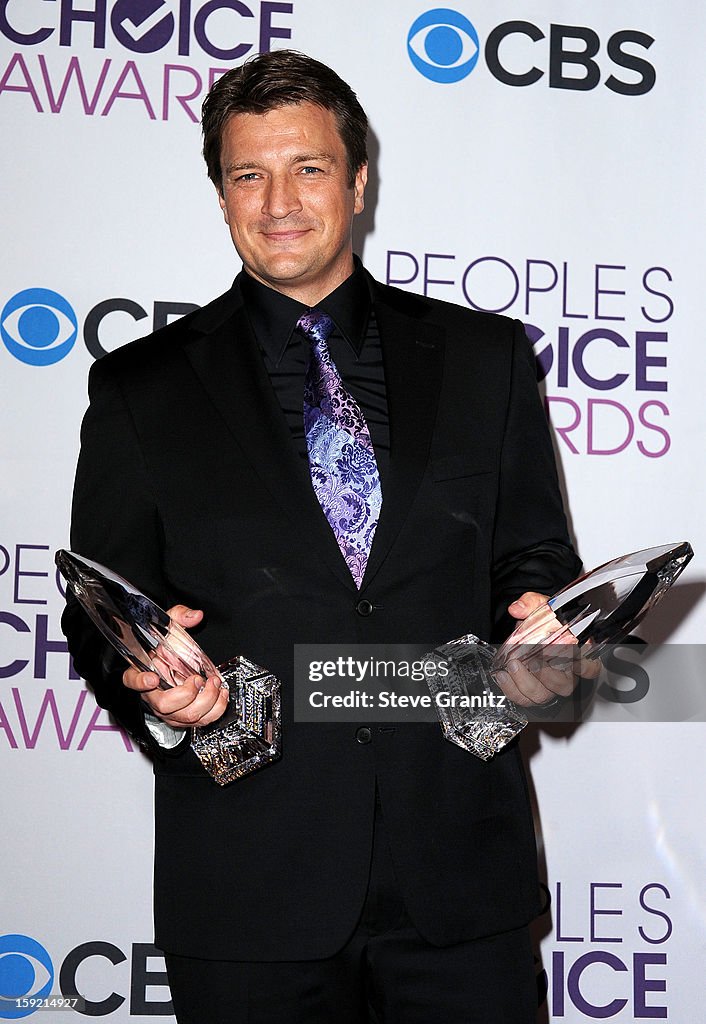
(202, 688)
(502, 677)
(513, 666)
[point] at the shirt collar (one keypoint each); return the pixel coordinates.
(274, 316)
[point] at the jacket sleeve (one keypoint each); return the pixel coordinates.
(531, 545)
(114, 521)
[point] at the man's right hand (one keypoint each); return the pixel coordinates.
(193, 702)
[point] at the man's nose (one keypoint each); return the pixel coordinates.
(281, 197)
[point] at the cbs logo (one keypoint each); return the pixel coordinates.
(39, 327)
(443, 45)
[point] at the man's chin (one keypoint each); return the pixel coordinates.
(284, 270)
(306, 278)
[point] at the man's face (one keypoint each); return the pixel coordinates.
(287, 201)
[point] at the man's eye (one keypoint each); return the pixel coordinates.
(251, 176)
(311, 170)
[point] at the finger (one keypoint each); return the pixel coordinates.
(185, 616)
(526, 604)
(531, 636)
(192, 703)
(506, 682)
(207, 708)
(176, 698)
(589, 668)
(521, 687)
(559, 682)
(566, 653)
(218, 708)
(540, 628)
(143, 682)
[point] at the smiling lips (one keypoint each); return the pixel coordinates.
(285, 236)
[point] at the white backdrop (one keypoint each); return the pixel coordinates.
(579, 210)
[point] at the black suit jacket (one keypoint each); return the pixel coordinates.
(189, 485)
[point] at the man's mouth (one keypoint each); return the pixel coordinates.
(289, 235)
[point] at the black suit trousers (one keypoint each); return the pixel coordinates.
(385, 974)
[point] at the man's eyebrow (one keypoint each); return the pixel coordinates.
(299, 158)
(314, 156)
(242, 165)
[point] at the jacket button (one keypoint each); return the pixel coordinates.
(363, 735)
(364, 607)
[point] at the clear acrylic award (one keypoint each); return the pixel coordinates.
(248, 734)
(577, 623)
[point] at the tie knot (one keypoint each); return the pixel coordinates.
(317, 326)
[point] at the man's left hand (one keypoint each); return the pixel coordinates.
(542, 683)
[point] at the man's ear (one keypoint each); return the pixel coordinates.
(361, 180)
(222, 202)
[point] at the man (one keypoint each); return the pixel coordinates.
(372, 872)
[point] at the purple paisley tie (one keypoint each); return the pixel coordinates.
(341, 456)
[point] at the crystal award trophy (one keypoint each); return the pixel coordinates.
(248, 734)
(579, 622)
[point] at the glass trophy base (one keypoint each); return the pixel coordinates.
(476, 717)
(248, 735)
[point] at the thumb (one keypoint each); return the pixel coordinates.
(526, 604)
(185, 616)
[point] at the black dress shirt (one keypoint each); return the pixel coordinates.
(354, 345)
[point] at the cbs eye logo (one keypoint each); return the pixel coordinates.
(25, 970)
(38, 326)
(443, 45)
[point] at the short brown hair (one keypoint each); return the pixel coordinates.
(270, 80)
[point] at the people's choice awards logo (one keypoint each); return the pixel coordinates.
(443, 45)
(94, 56)
(38, 326)
(26, 970)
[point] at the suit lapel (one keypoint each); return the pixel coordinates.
(413, 353)
(226, 359)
